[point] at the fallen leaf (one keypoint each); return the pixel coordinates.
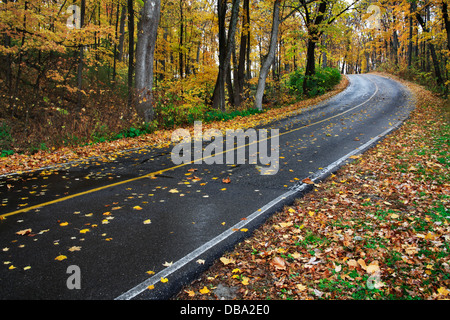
(205, 290)
(362, 263)
(286, 224)
(164, 280)
(307, 181)
(226, 261)
(301, 287)
(148, 221)
(226, 180)
(352, 263)
(137, 208)
(190, 293)
(151, 287)
(74, 248)
(373, 267)
(60, 257)
(23, 232)
(84, 230)
(318, 292)
(167, 264)
(296, 255)
(444, 291)
(245, 281)
(200, 261)
(278, 263)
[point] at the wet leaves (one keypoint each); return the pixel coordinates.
(61, 257)
(24, 232)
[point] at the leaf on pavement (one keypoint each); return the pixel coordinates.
(167, 264)
(23, 232)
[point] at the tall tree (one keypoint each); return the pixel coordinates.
(225, 48)
(446, 21)
(245, 34)
(315, 19)
(145, 50)
(81, 57)
(269, 58)
(437, 69)
(130, 50)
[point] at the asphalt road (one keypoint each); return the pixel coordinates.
(117, 220)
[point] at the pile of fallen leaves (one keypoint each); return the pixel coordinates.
(158, 139)
(377, 229)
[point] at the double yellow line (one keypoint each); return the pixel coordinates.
(45, 204)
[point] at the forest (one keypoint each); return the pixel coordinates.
(80, 72)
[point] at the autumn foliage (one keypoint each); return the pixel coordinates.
(68, 68)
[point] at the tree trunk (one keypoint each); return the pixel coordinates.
(446, 21)
(115, 45)
(8, 60)
(130, 51)
(180, 53)
(314, 34)
(81, 57)
(395, 46)
(410, 44)
(310, 63)
(225, 47)
(147, 34)
(122, 32)
(240, 79)
(437, 70)
(249, 63)
(269, 59)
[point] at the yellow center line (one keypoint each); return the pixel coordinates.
(62, 199)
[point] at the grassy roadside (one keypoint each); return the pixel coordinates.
(157, 139)
(377, 229)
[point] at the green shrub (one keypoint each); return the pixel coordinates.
(6, 140)
(324, 79)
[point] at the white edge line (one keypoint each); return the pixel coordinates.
(130, 294)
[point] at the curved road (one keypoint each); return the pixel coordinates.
(138, 212)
